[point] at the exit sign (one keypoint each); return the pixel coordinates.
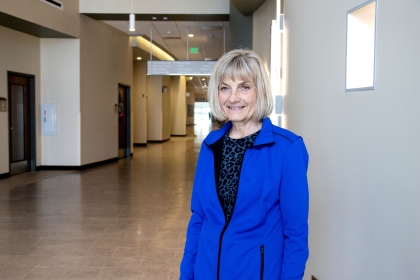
(194, 50)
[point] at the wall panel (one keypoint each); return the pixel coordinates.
(363, 146)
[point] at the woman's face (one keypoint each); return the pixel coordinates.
(237, 99)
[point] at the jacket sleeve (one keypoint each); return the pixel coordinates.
(194, 226)
(294, 207)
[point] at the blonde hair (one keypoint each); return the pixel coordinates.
(247, 66)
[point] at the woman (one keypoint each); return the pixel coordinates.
(250, 196)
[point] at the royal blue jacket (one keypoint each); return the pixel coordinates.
(267, 235)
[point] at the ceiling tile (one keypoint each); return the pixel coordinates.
(117, 22)
(164, 23)
(211, 23)
(143, 29)
(145, 23)
(188, 23)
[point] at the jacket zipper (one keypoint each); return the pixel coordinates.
(227, 222)
(262, 262)
(220, 249)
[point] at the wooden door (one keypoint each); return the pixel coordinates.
(123, 145)
(19, 124)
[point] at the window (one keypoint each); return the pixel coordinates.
(361, 41)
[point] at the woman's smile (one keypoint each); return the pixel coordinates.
(235, 107)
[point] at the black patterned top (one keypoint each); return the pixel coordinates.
(233, 152)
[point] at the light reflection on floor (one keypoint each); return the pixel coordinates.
(201, 129)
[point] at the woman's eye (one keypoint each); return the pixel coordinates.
(245, 87)
(223, 88)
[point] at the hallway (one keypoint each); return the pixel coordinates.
(123, 220)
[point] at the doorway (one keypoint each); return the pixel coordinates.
(123, 121)
(21, 95)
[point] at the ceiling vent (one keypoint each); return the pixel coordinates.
(54, 3)
(205, 27)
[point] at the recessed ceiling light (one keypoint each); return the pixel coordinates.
(138, 58)
(169, 32)
(190, 35)
(203, 79)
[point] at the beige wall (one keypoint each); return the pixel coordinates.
(190, 101)
(154, 108)
(364, 146)
(156, 7)
(65, 21)
(105, 61)
(102, 61)
(60, 85)
(83, 83)
(178, 105)
(139, 103)
(166, 108)
(18, 53)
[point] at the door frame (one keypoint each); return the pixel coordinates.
(127, 115)
(32, 119)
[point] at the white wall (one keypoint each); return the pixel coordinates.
(60, 85)
(105, 61)
(156, 7)
(363, 174)
(139, 103)
(18, 53)
(178, 105)
(262, 30)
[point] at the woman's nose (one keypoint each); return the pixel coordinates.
(234, 95)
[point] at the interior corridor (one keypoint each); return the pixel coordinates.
(123, 220)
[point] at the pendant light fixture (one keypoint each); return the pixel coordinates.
(132, 18)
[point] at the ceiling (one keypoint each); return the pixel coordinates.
(198, 86)
(210, 37)
(172, 36)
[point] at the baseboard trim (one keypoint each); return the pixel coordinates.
(4, 175)
(178, 135)
(140, 144)
(157, 141)
(79, 167)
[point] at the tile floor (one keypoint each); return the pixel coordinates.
(123, 220)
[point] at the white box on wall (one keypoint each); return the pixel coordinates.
(49, 119)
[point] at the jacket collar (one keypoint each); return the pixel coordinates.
(264, 137)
